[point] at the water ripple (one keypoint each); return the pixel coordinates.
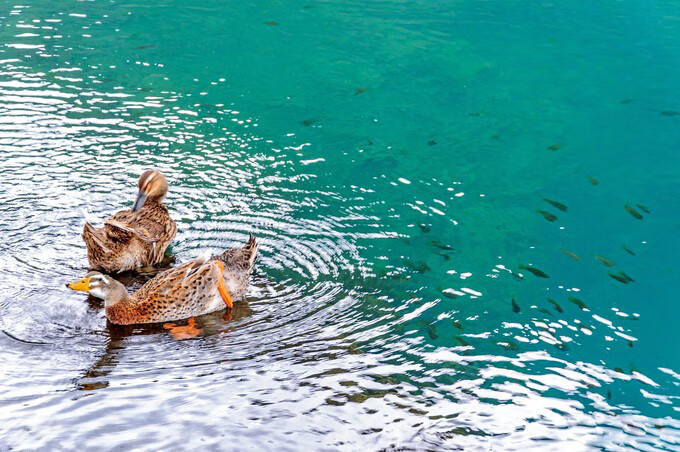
(390, 306)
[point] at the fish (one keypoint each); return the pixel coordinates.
(457, 324)
(619, 370)
(142, 47)
(621, 277)
(556, 204)
(424, 227)
(432, 332)
(445, 256)
(515, 307)
(643, 208)
(630, 344)
(605, 261)
(438, 244)
(633, 212)
(462, 341)
(562, 346)
(547, 215)
(419, 267)
(670, 113)
(432, 142)
(557, 307)
(593, 181)
(545, 311)
(354, 349)
(554, 147)
(359, 91)
(475, 113)
(622, 273)
(270, 22)
(628, 250)
(578, 303)
(570, 254)
(510, 345)
(534, 271)
(626, 101)
(609, 394)
(309, 122)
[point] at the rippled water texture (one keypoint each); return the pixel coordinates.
(467, 211)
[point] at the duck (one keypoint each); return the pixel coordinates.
(197, 287)
(133, 238)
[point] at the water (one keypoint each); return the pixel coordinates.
(391, 157)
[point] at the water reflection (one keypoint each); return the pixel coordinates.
(398, 301)
(117, 336)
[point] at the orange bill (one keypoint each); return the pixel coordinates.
(222, 287)
(83, 285)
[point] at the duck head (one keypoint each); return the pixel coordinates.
(153, 186)
(100, 286)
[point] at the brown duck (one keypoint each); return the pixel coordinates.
(194, 288)
(133, 238)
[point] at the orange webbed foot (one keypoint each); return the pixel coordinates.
(181, 332)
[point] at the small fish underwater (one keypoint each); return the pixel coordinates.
(556, 204)
(534, 271)
(547, 215)
(570, 254)
(634, 213)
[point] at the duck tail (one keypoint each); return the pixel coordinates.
(250, 249)
(242, 258)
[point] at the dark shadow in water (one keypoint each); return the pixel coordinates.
(193, 328)
(23, 341)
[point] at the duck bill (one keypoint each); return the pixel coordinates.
(82, 285)
(139, 202)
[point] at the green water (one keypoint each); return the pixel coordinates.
(393, 159)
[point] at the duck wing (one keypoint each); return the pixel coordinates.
(96, 239)
(124, 232)
(181, 292)
(137, 223)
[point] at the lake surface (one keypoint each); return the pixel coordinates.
(468, 216)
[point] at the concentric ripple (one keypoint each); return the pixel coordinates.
(448, 257)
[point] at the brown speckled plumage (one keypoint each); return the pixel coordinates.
(133, 239)
(190, 289)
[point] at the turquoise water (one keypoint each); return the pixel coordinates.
(393, 159)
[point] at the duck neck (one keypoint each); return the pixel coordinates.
(118, 305)
(155, 200)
